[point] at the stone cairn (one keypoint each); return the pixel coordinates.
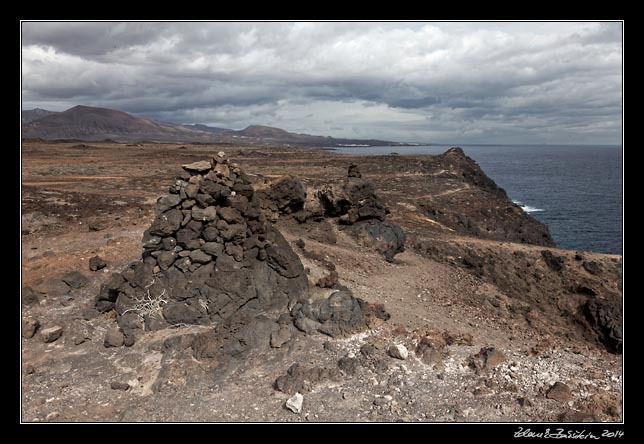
(355, 202)
(210, 254)
(352, 202)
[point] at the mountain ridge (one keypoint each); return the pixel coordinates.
(83, 122)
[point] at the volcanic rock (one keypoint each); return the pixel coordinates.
(385, 237)
(97, 263)
(114, 338)
(53, 287)
(340, 314)
(215, 256)
(606, 319)
(75, 279)
(29, 296)
(559, 392)
(286, 195)
(29, 327)
(486, 359)
(554, 262)
(51, 334)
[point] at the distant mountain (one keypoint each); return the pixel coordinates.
(88, 123)
(265, 132)
(35, 114)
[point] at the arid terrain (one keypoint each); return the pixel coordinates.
(494, 322)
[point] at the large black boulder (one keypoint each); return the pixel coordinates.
(385, 237)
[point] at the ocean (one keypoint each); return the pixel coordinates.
(577, 191)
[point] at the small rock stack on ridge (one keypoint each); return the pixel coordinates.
(209, 254)
(356, 203)
(351, 202)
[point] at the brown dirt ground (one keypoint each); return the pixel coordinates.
(78, 202)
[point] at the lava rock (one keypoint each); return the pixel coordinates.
(280, 337)
(114, 338)
(119, 385)
(287, 195)
(431, 352)
(340, 314)
(51, 334)
(29, 296)
(385, 237)
(554, 262)
(79, 331)
(354, 171)
(605, 319)
(29, 327)
(165, 259)
(300, 379)
(149, 241)
(200, 167)
(166, 224)
(204, 214)
(53, 287)
(97, 263)
(560, 392)
(75, 279)
(230, 215)
(349, 365)
(486, 359)
(213, 248)
(197, 268)
(167, 202)
(198, 256)
(592, 267)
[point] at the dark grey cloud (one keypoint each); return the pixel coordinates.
(440, 82)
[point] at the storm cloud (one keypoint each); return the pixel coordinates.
(445, 82)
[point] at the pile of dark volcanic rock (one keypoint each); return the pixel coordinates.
(211, 258)
(353, 202)
(208, 254)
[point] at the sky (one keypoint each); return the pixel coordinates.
(424, 82)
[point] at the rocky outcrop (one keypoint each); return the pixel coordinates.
(352, 203)
(385, 237)
(283, 196)
(606, 320)
(459, 197)
(550, 290)
(353, 200)
(339, 314)
(209, 254)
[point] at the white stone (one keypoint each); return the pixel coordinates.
(294, 403)
(398, 351)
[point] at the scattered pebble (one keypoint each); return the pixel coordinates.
(398, 351)
(51, 334)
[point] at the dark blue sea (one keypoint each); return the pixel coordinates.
(575, 190)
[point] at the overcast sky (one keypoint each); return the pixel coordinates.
(418, 82)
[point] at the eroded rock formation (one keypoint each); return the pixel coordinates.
(352, 202)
